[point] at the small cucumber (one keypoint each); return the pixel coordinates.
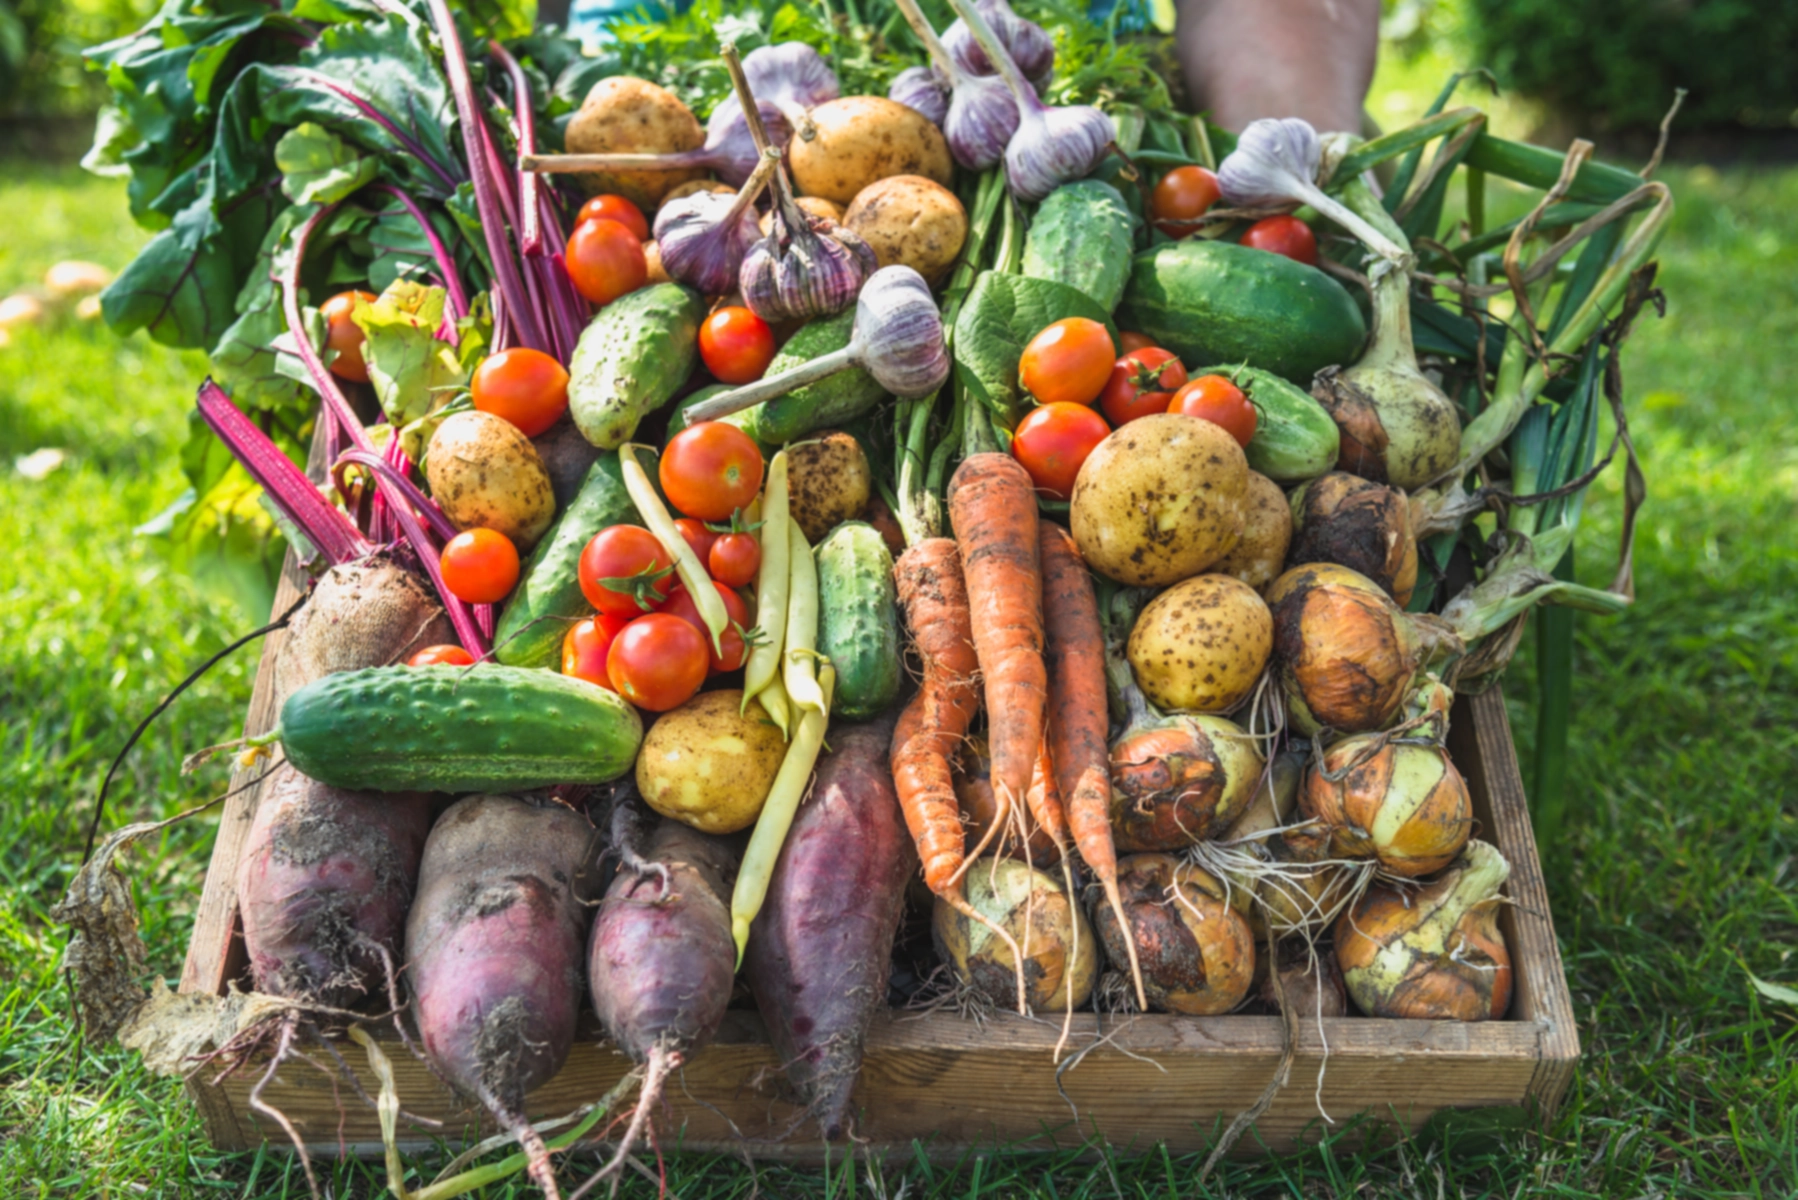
(457, 729)
(549, 593)
(831, 401)
(1295, 439)
(631, 358)
(1083, 235)
(858, 619)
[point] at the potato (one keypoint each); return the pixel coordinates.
(828, 482)
(1160, 500)
(910, 221)
(1201, 645)
(694, 186)
(708, 766)
(1260, 556)
(864, 138)
(623, 115)
(817, 206)
(484, 473)
(652, 260)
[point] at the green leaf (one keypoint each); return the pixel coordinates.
(412, 372)
(1001, 315)
(318, 168)
(1774, 991)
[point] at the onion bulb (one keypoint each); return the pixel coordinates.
(1197, 952)
(1063, 959)
(1399, 802)
(1310, 982)
(1353, 522)
(1433, 952)
(1179, 779)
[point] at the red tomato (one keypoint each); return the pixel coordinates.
(680, 604)
(584, 649)
(658, 662)
(1283, 235)
(479, 566)
(735, 558)
(697, 536)
(1214, 398)
(343, 335)
(615, 208)
(1128, 342)
(710, 470)
(441, 656)
(1053, 441)
(605, 260)
(524, 386)
(1182, 196)
(1142, 382)
(736, 345)
(1068, 363)
(625, 571)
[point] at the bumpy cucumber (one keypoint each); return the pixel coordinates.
(1083, 235)
(549, 593)
(455, 729)
(831, 401)
(633, 356)
(1219, 302)
(1295, 439)
(858, 619)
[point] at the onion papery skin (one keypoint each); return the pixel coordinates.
(1403, 804)
(1356, 523)
(1396, 426)
(1178, 780)
(1434, 952)
(1345, 652)
(1197, 952)
(1061, 954)
(1312, 985)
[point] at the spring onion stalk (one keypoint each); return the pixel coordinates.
(761, 669)
(799, 658)
(692, 572)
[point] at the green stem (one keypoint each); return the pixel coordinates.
(1554, 709)
(1399, 141)
(1534, 166)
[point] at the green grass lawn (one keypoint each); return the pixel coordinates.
(1674, 880)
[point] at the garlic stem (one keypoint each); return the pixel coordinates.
(1028, 100)
(939, 53)
(771, 386)
(752, 112)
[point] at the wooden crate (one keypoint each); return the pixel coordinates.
(944, 1082)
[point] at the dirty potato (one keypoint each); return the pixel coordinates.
(485, 474)
(828, 482)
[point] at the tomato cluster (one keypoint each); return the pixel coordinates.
(1185, 194)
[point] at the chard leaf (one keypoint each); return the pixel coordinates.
(412, 372)
(317, 167)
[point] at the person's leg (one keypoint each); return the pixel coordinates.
(1245, 59)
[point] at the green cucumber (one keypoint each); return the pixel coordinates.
(549, 593)
(631, 358)
(1220, 302)
(1295, 439)
(457, 729)
(1083, 235)
(858, 619)
(830, 401)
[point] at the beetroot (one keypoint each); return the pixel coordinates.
(369, 613)
(324, 886)
(822, 946)
(494, 948)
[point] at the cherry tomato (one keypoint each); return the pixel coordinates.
(615, 208)
(1283, 235)
(735, 558)
(736, 345)
(698, 537)
(625, 571)
(605, 260)
(680, 604)
(1214, 398)
(441, 656)
(479, 566)
(524, 386)
(1128, 342)
(658, 662)
(710, 470)
(1068, 363)
(1182, 196)
(1142, 382)
(1053, 441)
(343, 335)
(584, 649)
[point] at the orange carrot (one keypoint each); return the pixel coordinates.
(1043, 799)
(993, 507)
(1078, 720)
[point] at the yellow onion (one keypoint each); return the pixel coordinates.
(979, 807)
(1310, 982)
(1401, 803)
(1433, 952)
(1179, 779)
(1062, 959)
(1365, 526)
(1196, 950)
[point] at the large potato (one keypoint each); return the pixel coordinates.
(485, 474)
(828, 482)
(709, 766)
(864, 138)
(816, 206)
(1160, 500)
(624, 115)
(910, 221)
(1201, 645)
(1260, 556)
